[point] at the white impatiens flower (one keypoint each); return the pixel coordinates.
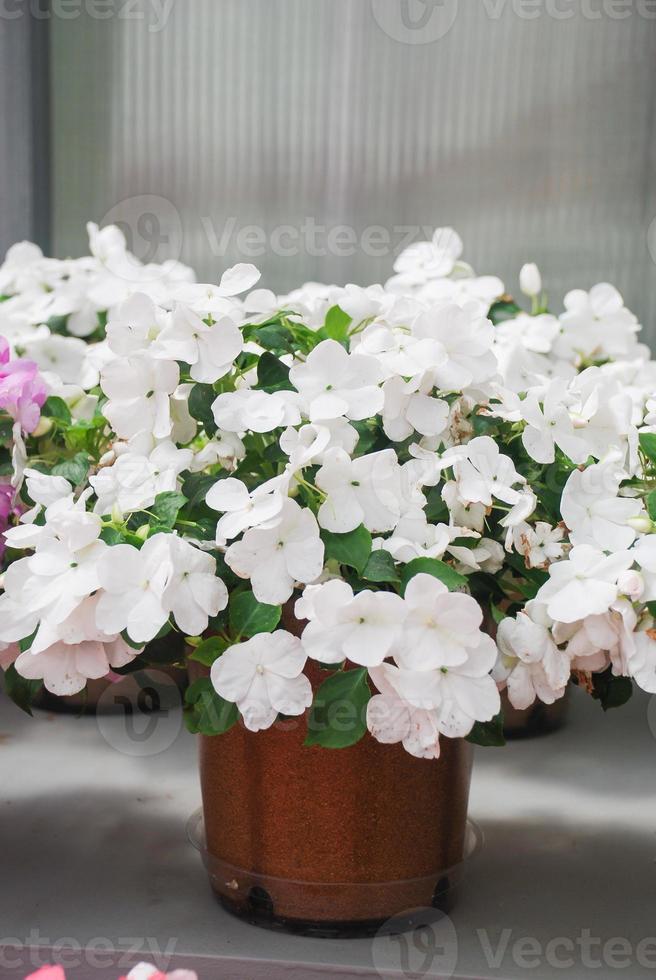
(485, 473)
(530, 663)
(584, 583)
(332, 382)
(408, 408)
(439, 625)
(134, 325)
(242, 509)
(597, 325)
(193, 592)
(259, 411)
(275, 557)
(361, 628)
(134, 480)
(539, 545)
(459, 695)
(423, 261)
(367, 490)
(593, 511)
(550, 425)
(390, 719)
(138, 390)
(133, 583)
(264, 677)
(466, 338)
(210, 350)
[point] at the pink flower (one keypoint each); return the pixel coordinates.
(48, 973)
(6, 508)
(22, 390)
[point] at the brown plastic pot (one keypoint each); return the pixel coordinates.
(538, 719)
(330, 842)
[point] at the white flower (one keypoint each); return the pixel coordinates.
(415, 537)
(259, 411)
(551, 425)
(263, 676)
(134, 480)
(390, 719)
(597, 324)
(529, 661)
(485, 473)
(206, 298)
(460, 695)
(138, 389)
(43, 490)
(438, 627)
(583, 584)
(210, 350)
(65, 668)
(274, 558)
(134, 582)
(530, 280)
(193, 592)
(242, 509)
(466, 339)
(366, 490)
(408, 408)
(422, 261)
(332, 383)
(310, 443)
(592, 510)
(361, 628)
(134, 325)
(539, 545)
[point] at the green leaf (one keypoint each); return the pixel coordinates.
(201, 399)
(337, 717)
(195, 487)
(651, 505)
(497, 614)
(56, 408)
(648, 445)
(488, 732)
(21, 691)
(274, 336)
(610, 691)
(111, 536)
(167, 505)
(209, 650)
(352, 549)
(336, 325)
(503, 309)
(206, 712)
(433, 566)
(272, 374)
(380, 568)
(248, 616)
(74, 470)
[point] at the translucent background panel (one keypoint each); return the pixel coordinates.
(262, 126)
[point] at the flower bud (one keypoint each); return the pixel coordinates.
(530, 280)
(631, 584)
(44, 426)
(642, 523)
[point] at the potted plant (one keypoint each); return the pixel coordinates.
(368, 484)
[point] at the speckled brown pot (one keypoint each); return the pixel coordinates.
(538, 719)
(330, 841)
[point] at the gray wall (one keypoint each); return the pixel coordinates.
(24, 127)
(530, 130)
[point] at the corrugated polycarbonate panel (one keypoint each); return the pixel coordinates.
(313, 136)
